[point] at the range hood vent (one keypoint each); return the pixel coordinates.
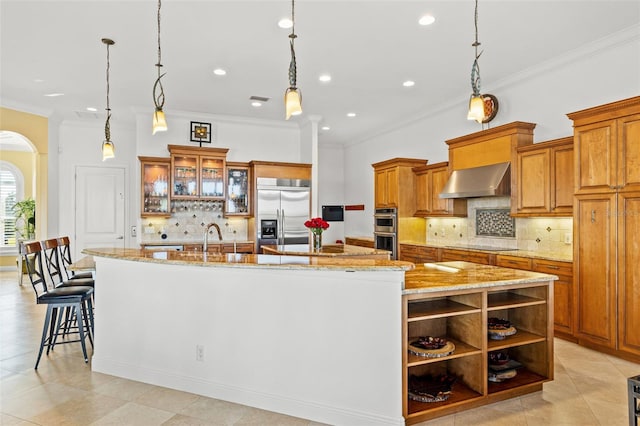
(485, 181)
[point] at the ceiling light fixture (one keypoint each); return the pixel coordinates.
(482, 108)
(326, 128)
(426, 20)
(219, 71)
(256, 104)
(54, 95)
(108, 149)
(92, 109)
(409, 83)
(159, 121)
(325, 78)
(292, 96)
(351, 114)
(285, 23)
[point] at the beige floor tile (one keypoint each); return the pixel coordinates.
(7, 420)
(504, 413)
(215, 411)
(18, 383)
(182, 420)
(257, 417)
(166, 399)
(132, 414)
(39, 399)
(123, 388)
(542, 410)
(79, 411)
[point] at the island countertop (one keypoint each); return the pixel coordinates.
(432, 277)
(233, 260)
(329, 250)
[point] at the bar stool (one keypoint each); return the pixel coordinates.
(56, 299)
(64, 245)
(633, 384)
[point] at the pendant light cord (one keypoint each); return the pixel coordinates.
(107, 125)
(159, 99)
(475, 68)
(292, 37)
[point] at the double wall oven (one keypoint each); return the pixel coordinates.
(385, 231)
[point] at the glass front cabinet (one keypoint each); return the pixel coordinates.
(238, 196)
(197, 173)
(155, 181)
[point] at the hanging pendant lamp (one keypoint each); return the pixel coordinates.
(292, 96)
(108, 148)
(159, 121)
(482, 108)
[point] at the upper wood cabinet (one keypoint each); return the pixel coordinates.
(395, 184)
(154, 187)
(606, 142)
(430, 180)
(238, 201)
(197, 173)
(544, 179)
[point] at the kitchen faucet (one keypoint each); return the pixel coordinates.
(205, 244)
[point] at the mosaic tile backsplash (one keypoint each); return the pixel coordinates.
(495, 223)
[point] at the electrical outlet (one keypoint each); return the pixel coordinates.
(200, 353)
(149, 230)
(568, 238)
(134, 231)
(442, 233)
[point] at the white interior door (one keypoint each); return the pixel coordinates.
(100, 208)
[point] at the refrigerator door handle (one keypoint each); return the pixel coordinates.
(283, 216)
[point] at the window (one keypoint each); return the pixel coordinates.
(11, 190)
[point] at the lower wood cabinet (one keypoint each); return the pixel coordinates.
(362, 242)
(418, 253)
(246, 248)
(450, 255)
(460, 317)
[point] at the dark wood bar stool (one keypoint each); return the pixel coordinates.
(57, 298)
(64, 245)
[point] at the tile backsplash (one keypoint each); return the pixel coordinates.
(189, 226)
(532, 234)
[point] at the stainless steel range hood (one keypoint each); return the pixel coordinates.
(485, 181)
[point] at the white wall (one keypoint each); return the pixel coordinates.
(331, 187)
(603, 72)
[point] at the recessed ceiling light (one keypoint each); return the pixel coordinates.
(351, 114)
(38, 80)
(92, 109)
(426, 20)
(54, 95)
(219, 71)
(326, 128)
(324, 78)
(285, 23)
(256, 104)
(409, 83)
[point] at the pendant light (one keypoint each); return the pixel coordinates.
(108, 149)
(482, 108)
(159, 121)
(292, 96)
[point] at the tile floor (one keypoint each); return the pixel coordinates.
(589, 387)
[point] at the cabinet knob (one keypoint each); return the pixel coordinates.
(593, 216)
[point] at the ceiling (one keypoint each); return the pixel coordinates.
(369, 47)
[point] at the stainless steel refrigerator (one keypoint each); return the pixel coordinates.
(283, 206)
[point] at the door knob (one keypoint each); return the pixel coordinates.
(120, 238)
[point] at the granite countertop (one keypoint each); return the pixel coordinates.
(329, 250)
(548, 255)
(232, 260)
(432, 277)
(187, 242)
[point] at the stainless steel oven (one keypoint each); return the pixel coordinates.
(385, 231)
(384, 220)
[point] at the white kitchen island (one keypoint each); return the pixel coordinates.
(309, 337)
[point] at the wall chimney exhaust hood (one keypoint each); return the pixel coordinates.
(484, 181)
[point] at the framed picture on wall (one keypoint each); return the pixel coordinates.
(200, 132)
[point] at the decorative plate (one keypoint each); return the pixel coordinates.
(430, 388)
(431, 347)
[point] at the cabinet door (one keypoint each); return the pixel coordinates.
(155, 181)
(595, 273)
(381, 188)
(629, 153)
(439, 179)
(629, 272)
(184, 176)
(393, 187)
(237, 202)
(534, 188)
(595, 157)
(211, 177)
(563, 305)
(562, 179)
(423, 196)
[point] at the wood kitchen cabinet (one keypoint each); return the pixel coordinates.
(154, 187)
(238, 199)
(395, 184)
(606, 227)
(418, 253)
(544, 179)
(430, 180)
(451, 255)
(244, 247)
(197, 173)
